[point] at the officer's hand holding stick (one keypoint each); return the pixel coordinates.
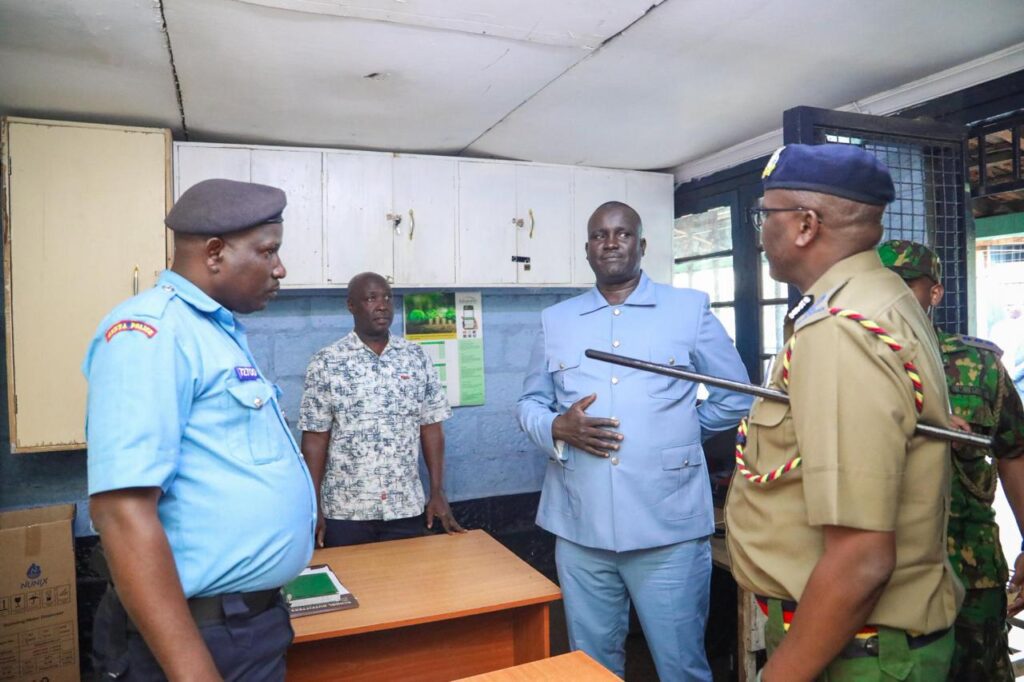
(959, 424)
(589, 434)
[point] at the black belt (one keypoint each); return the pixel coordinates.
(858, 647)
(863, 647)
(210, 610)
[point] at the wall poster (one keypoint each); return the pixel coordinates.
(449, 326)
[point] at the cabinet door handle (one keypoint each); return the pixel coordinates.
(412, 223)
(533, 223)
(135, 281)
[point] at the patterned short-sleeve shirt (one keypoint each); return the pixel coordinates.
(374, 407)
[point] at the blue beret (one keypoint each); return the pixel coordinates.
(843, 170)
(214, 207)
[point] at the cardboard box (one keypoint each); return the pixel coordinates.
(38, 608)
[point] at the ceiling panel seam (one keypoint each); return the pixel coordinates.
(542, 88)
(174, 70)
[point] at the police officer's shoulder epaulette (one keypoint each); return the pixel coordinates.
(983, 344)
(141, 313)
(818, 309)
(152, 303)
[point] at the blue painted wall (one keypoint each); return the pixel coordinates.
(486, 453)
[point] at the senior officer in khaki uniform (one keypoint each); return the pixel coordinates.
(837, 515)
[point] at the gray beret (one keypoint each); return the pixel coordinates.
(214, 207)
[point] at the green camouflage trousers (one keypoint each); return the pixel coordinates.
(895, 661)
(981, 647)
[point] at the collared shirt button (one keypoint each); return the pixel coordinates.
(616, 312)
(615, 344)
(686, 462)
(615, 380)
(561, 365)
(167, 287)
(615, 461)
(671, 361)
(257, 402)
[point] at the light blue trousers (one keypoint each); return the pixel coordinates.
(668, 585)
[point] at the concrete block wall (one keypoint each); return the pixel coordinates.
(486, 454)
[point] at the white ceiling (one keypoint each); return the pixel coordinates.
(646, 84)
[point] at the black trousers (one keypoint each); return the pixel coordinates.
(340, 533)
(245, 646)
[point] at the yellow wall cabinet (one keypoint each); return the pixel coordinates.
(82, 231)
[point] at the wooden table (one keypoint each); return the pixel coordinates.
(749, 621)
(433, 608)
(576, 666)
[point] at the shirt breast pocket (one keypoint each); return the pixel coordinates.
(258, 431)
(565, 374)
(771, 440)
(673, 355)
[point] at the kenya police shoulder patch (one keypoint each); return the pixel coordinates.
(130, 326)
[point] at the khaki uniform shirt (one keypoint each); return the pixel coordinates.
(851, 418)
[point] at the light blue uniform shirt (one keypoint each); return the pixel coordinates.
(654, 490)
(176, 402)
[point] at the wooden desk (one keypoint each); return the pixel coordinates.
(749, 621)
(576, 666)
(432, 608)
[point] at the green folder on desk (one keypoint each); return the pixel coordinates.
(317, 590)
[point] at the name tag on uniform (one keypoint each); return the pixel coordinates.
(246, 373)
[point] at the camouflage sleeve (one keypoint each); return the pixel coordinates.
(1008, 440)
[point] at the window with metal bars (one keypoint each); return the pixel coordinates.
(929, 207)
(702, 251)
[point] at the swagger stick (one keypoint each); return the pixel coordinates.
(769, 393)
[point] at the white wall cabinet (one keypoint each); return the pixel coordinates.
(544, 224)
(299, 173)
(427, 201)
(514, 224)
(357, 230)
(435, 221)
(487, 223)
(85, 206)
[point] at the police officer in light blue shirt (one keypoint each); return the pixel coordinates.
(198, 491)
(627, 491)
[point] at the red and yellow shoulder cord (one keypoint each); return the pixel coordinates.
(787, 356)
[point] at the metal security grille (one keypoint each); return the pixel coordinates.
(929, 207)
(927, 165)
(1005, 253)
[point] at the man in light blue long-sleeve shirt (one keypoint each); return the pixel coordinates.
(626, 490)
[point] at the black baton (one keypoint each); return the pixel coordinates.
(769, 393)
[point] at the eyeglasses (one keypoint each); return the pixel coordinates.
(757, 214)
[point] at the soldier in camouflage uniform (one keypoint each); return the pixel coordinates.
(982, 394)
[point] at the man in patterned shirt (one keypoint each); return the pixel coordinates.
(370, 400)
(981, 394)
